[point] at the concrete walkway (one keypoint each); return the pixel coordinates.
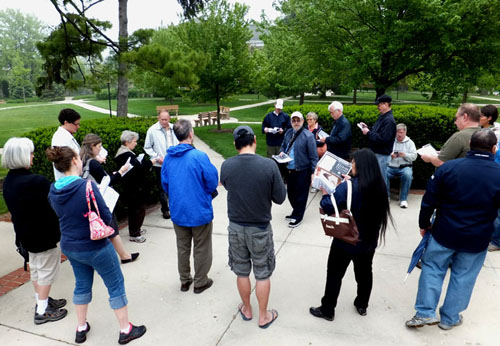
(211, 318)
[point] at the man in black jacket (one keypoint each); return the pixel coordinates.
(381, 136)
(465, 193)
(339, 141)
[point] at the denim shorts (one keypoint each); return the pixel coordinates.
(251, 245)
(105, 262)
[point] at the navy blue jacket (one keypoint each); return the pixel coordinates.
(381, 136)
(272, 120)
(466, 196)
(304, 148)
(368, 232)
(339, 142)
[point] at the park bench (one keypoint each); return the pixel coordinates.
(2, 101)
(168, 108)
(204, 119)
(208, 118)
(224, 112)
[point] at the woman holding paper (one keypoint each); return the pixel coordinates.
(370, 209)
(92, 169)
(133, 183)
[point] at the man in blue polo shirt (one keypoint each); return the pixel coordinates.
(465, 193)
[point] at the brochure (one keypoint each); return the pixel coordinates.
(427, 149)
(329, 171)
(274, 130)
(109, 194)
(322, 134)
(283, 158)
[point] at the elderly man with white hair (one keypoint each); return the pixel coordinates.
(339, 141)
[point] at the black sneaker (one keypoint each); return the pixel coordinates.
(82, 336)
(289, 218)
(57, 303)
(294, 223)
(166, 215)
(316, 312)
(201, 289)
(135, 333)
(50, 315)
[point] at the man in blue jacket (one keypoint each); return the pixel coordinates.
(381, 136)
(300, 145)
(339, 141)
(274, 127)
(465, 193)
(190, 180)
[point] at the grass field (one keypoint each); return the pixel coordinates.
(222, 142)
(148, 106)
(15, 122)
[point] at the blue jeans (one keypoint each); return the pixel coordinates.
(105, 262)
(406, 176)
(465, 267)
(383, 161)
(495, 237)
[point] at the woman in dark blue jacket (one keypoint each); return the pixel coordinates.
(68, 199)
(370, 209)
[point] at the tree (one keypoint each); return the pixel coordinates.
(387, 40)
(221, 33)
(20, 62)
(95, 35)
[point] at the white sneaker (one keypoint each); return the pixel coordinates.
(139, 239)
(403, 204)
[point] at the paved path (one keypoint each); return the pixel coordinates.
(211, 318)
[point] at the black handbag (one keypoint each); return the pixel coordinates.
(24, 253)
(341, 225)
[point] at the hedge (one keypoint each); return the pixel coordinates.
(426, 124)
(109, 130)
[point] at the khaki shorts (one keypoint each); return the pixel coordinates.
(44, 266)
(251, 246)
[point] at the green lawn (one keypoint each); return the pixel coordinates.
(222, 142)
(148, 106)
(15, 122)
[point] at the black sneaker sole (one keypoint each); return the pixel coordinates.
(134, 334)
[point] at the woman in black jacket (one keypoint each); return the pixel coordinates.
(370, 209)
(35, 223)
(133, 184)
(92, 169)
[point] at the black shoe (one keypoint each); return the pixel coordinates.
(361, 311)
(185, 286)
(50, 315)
(294, 223)
(57, 303)
(289, 218)
(198, 290)
(166, 214)
(316, 312)
(135, 333)
(131, 259)
(82, 336)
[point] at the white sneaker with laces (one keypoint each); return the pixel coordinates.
(139, 239)
(403, 204)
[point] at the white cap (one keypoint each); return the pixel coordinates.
(279, 104)
(297, 115)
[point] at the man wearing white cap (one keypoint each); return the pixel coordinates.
(274, 126)
(300, 145)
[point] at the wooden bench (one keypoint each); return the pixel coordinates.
(168, 108)
(225, 112)
(2, 101)
(204, 119)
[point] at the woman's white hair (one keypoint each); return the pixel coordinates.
(17, 153)
(128, 136)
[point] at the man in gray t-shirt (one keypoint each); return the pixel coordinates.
(253, 183)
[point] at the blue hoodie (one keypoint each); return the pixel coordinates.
(68, 199)
(189, 178)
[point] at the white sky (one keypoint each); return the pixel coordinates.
(141, 13)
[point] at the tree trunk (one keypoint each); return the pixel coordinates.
(122, 109)
(301, 102)
(354, 96)
(217, 99)
(380, 91)
(464, 96)
(435, 96)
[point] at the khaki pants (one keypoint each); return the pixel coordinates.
(201, 237)
(273, 150)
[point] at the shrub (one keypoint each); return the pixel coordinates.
(109, 130)
(426, 124)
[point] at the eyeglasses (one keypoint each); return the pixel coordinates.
(77, 124)
(309, 119)
(296, 120)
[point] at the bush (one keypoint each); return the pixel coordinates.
(109, 130)
(103, 93)
(426, 124)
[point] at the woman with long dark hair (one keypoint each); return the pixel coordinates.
(92, 169)
(370, 209)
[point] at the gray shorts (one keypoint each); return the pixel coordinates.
(251, 245)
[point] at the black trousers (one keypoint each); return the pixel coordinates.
(298, 190)
(136, 212)
(338, 261)
(163, 194)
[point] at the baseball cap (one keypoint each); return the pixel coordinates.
(383, 98)
(297, 115)
(242, 130)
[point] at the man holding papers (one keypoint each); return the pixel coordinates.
(339, 141)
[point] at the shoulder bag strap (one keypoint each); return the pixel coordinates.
(294, 137)
(91, 191)
(349, 194)
(334, 202)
